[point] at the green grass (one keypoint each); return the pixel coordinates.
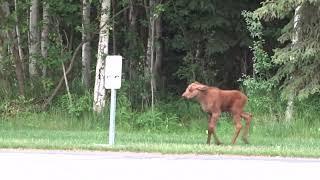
(163, 142)
(174, 128)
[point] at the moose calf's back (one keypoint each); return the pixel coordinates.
(217, 100)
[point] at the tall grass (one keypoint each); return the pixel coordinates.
(175, 116)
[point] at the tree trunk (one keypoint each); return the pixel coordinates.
(4, 13)
(67, 84)
(11, 34)
(21, 54)
(150, 51)
(295, 38)
(99, 90)
(5, 88)
(132, 18)
(34, 38)
(158, 52)
(114, 40)
(132, 60)
(44, 36)
(86, 47)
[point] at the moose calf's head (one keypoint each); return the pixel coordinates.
(193, 90)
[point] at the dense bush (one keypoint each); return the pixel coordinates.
(172, 115)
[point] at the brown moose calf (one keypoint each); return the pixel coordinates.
(214, 101)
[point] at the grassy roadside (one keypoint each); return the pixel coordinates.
(172, 143)
(167, 130)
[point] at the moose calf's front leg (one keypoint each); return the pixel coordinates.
(212, 128)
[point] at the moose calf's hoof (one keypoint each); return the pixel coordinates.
(219, 143)
(245, 140)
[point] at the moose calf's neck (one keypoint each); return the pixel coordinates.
(209, 101)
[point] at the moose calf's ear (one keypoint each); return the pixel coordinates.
(202, 87)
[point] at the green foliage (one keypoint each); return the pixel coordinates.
(63, 9)
(5, 89)
(298, 63)
(262, 61)
(210, 35)
(280, 9)
(57, 54)
(260, 82)
(155, 120)
(125, 115)
(47, 84)
(160, 119)
(78, 106)
(189, 70)
(308, 109)
(166, 121)
(19, 106)
(254, 86)
(83, 104)
(159, 9)
(300, 60)
(189, 113)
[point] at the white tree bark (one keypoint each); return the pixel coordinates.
(114, 40)
(34, 38)
(86, 47)
(295, 38)
(44, 35)
(150, 50)
(99, 90)
(152, 69)
(21, 54)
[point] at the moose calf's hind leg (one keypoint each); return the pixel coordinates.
(238, 126)
(209, 136)
(248, 118)
(209, 131)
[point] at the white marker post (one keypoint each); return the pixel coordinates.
(113, 71)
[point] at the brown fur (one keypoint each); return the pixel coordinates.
(214, 101)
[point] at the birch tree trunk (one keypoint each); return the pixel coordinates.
(114, 40)
(86, 47)
(295, 38)
(44, 35)
(99, 90)
(150, 51)
(21, 54)
(34, 38)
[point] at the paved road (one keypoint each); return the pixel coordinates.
(61, 165)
